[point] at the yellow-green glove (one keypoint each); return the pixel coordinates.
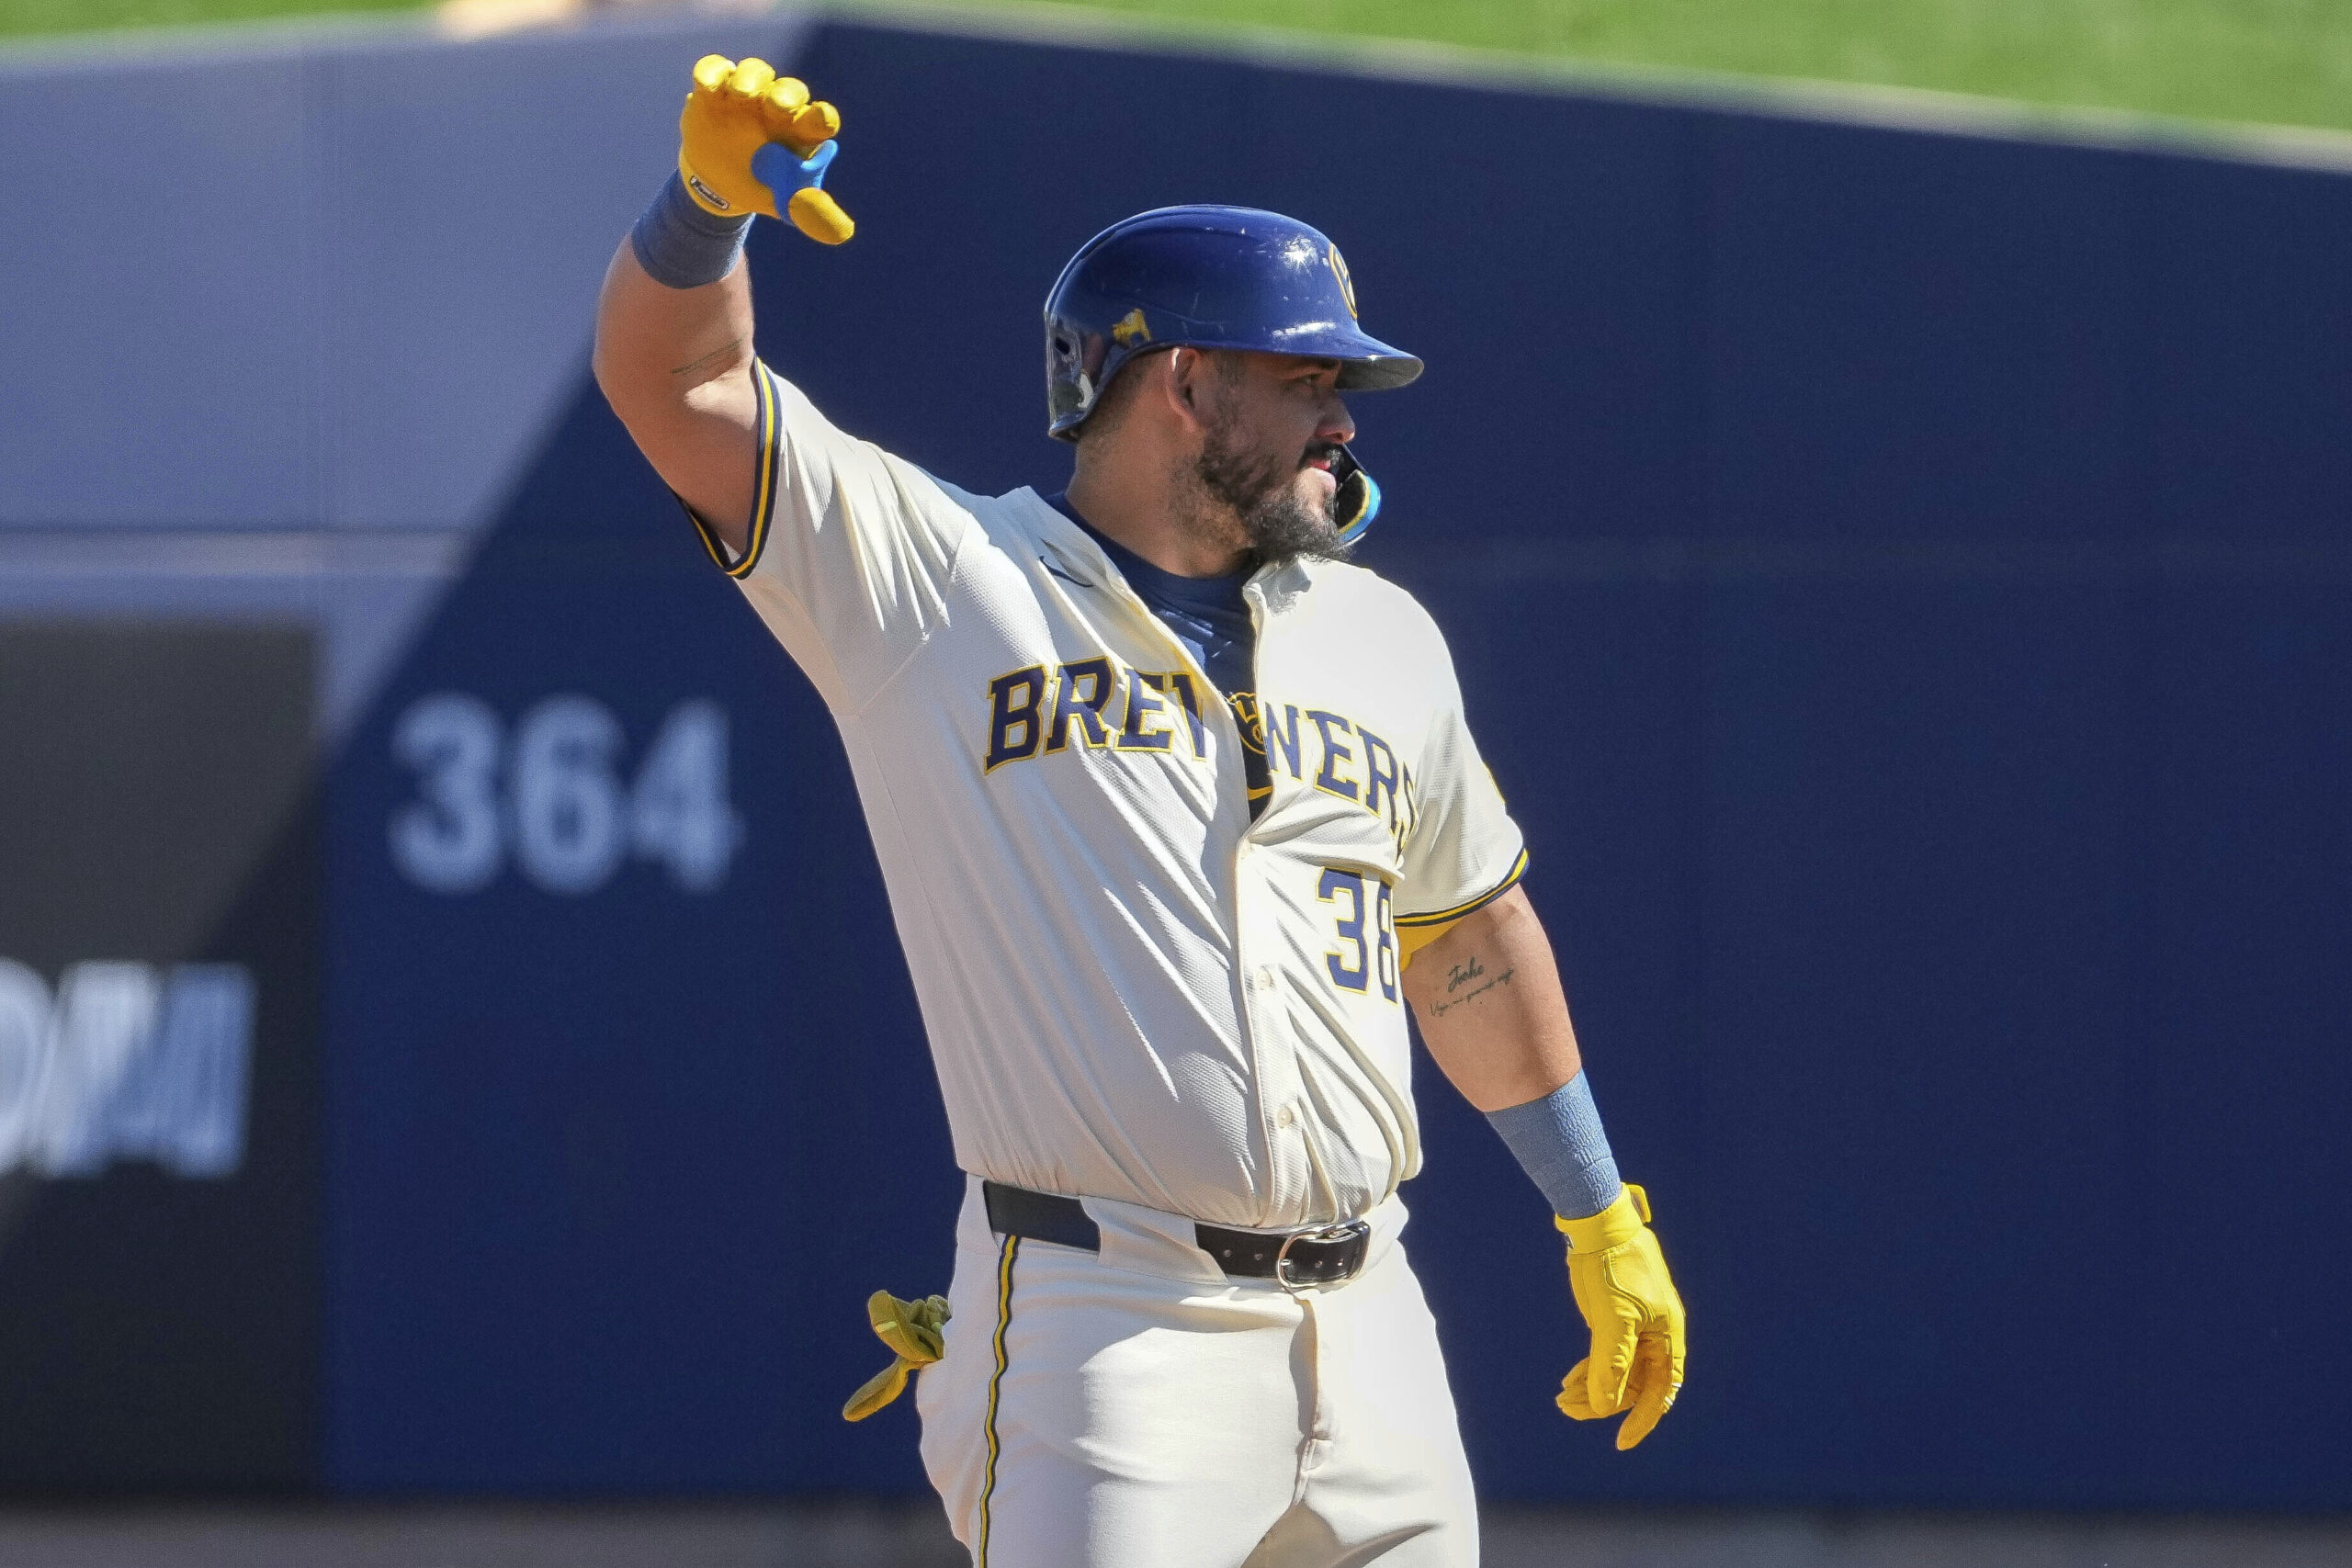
(734, 111)
(1629, 1302)
(912, 1330)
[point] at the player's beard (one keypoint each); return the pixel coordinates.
(1261, 489)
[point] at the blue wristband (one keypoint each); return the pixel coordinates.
(1558, 1142)
(681, 245)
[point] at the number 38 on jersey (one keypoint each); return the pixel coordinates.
(1366, 913)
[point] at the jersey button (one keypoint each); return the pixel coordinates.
(1285, 1117)
(1265, 979)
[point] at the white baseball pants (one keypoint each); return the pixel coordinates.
(1138, 1409)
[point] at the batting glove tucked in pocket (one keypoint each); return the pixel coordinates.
(912, 1330)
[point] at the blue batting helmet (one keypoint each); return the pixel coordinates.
(1207, 276)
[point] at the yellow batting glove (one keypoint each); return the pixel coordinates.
(912, 1330)
(1629, 1302)
(734, 113)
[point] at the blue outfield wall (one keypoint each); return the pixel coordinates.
(1900, 581)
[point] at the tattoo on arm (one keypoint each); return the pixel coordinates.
(1462, 975)
(729, 346)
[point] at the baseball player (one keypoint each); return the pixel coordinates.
(1179, 816)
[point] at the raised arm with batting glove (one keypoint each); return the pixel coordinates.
(674, 328)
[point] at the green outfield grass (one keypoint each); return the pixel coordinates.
(21, 17)
(2286, 62)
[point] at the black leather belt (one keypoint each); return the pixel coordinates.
(1323, 1255)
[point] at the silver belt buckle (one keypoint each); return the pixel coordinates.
(1321, 1235)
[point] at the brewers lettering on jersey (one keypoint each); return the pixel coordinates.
(1179, 816)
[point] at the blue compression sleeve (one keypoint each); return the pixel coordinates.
(1558, 1142)
(680, 245)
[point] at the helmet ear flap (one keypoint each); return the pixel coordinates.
(1357, 501)
(1074, 375)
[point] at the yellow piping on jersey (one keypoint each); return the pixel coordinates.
(770, 446)
(996, 1387)
(771, 450)
(1447, 917)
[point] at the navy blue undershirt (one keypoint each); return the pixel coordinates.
(1212, 619)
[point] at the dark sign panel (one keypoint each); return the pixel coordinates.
(159, 911)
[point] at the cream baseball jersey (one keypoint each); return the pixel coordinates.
(1133, 990)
